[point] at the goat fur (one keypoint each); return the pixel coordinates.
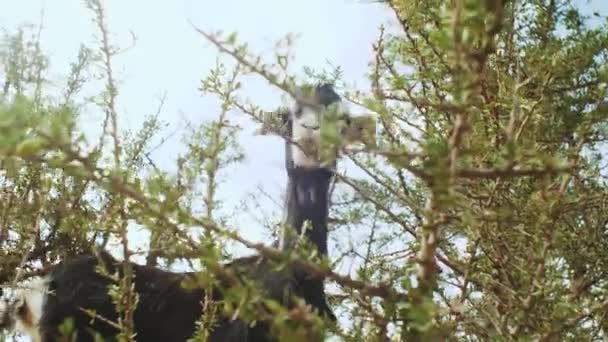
(166, 311)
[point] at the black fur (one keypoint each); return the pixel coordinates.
(326, 95)
(308, 200)
(166, 311)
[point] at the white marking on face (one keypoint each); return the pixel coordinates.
(33, 297)
(306, 132)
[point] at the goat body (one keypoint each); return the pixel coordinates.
(166, 311)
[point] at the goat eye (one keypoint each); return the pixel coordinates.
(298, 112)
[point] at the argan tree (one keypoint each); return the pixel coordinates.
(481, 207)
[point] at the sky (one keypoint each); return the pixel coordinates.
(170, 57)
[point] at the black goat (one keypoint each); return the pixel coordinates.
(166, 311)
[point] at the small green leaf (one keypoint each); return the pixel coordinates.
(30, 148)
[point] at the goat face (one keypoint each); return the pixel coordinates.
(306, 120)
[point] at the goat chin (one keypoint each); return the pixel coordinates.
(24, 313)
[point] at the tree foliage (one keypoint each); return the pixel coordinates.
(481, 212)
